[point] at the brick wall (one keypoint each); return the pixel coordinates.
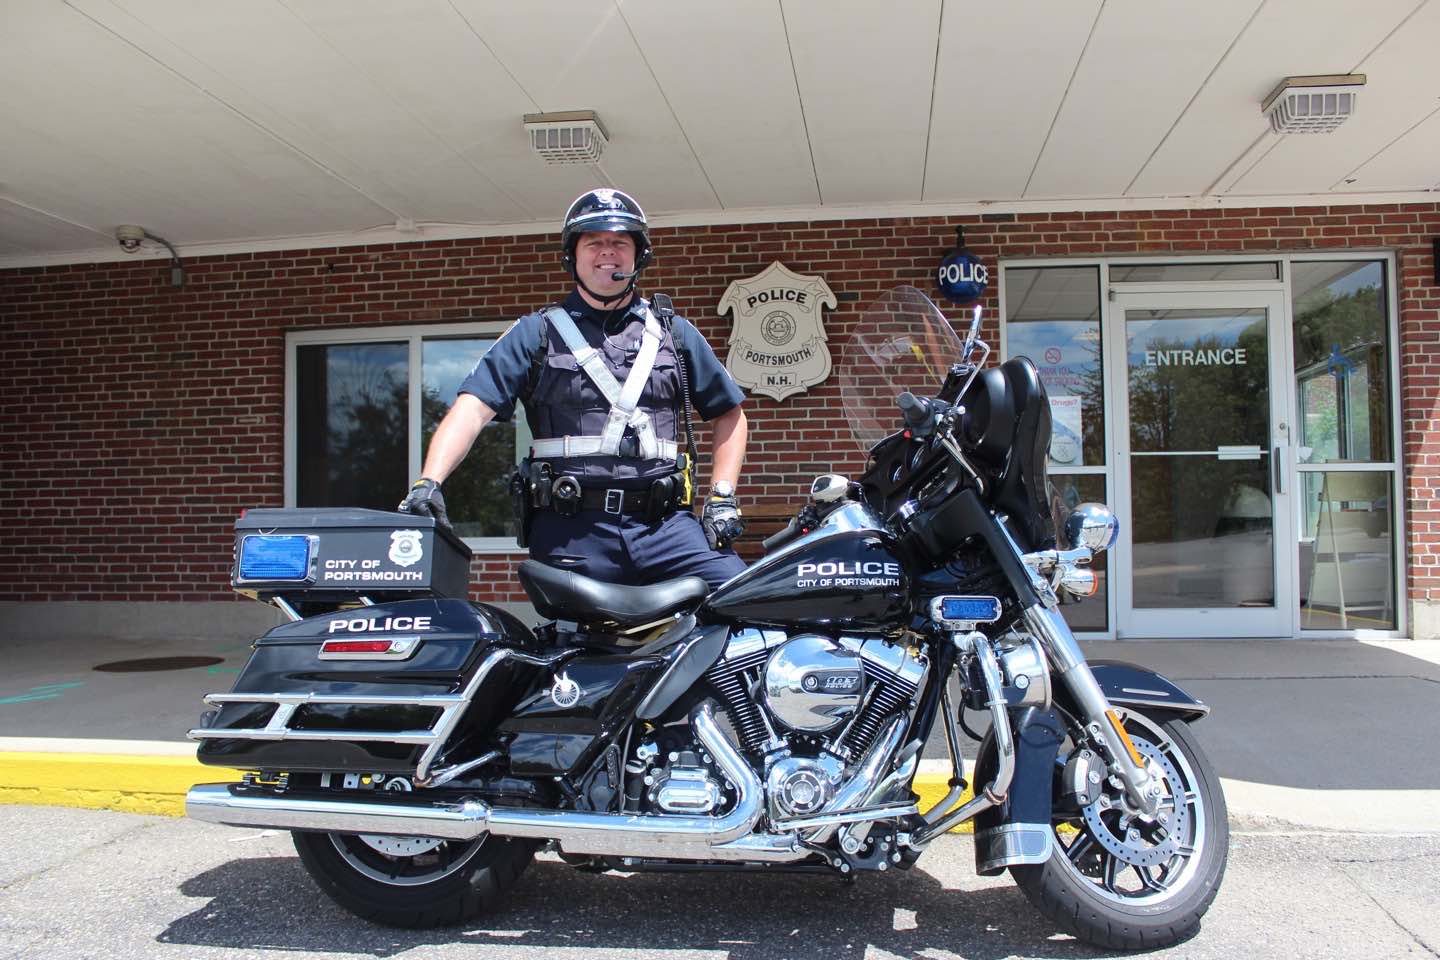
(138, 420)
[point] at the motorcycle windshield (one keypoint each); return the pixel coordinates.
(900, 342)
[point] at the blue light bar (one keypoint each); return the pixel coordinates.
(270, 558)
(968, 609)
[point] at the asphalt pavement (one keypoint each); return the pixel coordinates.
(100, 884)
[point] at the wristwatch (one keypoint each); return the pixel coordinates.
(722, 488)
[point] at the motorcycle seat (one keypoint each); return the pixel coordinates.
(567, 595)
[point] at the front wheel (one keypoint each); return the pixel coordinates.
(1121, 881)
(412, 881)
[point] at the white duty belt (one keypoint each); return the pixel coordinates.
(622, 399)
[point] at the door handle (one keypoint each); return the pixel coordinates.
(1279, 472)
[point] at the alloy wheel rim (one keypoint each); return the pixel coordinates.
(388, 862)
(1126, 860)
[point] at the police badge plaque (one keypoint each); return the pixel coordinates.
(777, 346)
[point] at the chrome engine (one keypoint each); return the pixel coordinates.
(685, 783)
(801, 786)
(686, 790)
(812, 683)
(810, 705)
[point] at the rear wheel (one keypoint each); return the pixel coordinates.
(413, 881)
(1120, 880)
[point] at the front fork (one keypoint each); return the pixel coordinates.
(1067, 662)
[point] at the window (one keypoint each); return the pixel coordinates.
(365, 405)
(1193, 272)
(1342, 363)
(1052, 316)
(1343, 445)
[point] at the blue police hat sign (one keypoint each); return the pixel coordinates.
(962, 277)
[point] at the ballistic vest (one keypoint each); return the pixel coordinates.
(568, 402)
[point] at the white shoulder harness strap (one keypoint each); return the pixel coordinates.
(622, 399)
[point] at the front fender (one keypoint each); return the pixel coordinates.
(1130, 685)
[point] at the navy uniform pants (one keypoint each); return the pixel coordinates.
(618, 548)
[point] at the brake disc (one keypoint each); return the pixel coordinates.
(1131, 844)
(399, 846)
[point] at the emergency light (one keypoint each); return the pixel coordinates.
(271, 558)
(951, 610)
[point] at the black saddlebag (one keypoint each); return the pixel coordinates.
(375, 689)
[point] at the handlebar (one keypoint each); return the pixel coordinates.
(915, 410)
(802, 523)
(790, 532)
(922, 414)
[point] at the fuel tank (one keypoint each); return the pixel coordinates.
(851, 579)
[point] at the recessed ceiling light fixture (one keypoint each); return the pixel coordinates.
(1312, 104)
(573, 136)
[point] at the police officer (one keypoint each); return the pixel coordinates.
(606, 379)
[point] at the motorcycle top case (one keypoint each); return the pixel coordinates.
(335, 554)
(440, 644)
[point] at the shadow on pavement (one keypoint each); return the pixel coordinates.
(269, 903)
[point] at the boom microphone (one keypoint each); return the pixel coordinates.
(619, 275)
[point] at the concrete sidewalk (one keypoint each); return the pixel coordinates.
(1330, 735)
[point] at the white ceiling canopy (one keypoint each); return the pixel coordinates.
(259, 124)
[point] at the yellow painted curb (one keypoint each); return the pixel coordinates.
(157, 784)
(104, 781)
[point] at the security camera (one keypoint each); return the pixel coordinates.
(130, 237)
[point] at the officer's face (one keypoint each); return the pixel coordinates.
(599, 255)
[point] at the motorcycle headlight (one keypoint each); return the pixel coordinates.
(1092, 525)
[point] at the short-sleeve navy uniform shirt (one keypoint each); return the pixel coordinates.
(500, 377)
(615, 548)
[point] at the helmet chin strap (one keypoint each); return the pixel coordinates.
(606, 301)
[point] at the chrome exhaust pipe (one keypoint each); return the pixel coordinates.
(853, 793)
(994, 794)
(607, 834)
(666, 837)
(235, 806)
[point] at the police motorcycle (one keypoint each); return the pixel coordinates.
(422, 747)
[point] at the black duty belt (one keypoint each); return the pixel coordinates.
(651, 503)
(616, 501)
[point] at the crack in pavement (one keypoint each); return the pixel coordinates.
(1361, 862)
(1393, 919)
(83, 851)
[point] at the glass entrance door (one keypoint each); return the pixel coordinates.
(1204, 452)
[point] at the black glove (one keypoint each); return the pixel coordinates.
(425, 500)
(722, 521)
